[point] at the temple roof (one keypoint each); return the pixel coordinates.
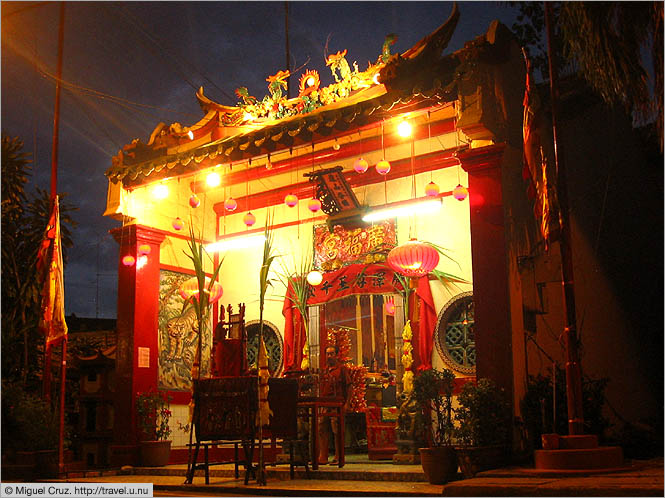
(418, 78)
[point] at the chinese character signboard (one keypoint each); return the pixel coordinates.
(344, 247)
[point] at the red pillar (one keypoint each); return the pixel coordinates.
(137, 329)
(491, 295)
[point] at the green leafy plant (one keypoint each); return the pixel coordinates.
(537, 406)
(483, 414)
(200, 301)
(433, 390)
(28, 422)
(153, 411)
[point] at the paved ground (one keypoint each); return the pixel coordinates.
(640, 478)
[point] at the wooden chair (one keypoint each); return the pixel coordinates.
(229, 343)
(283, 401)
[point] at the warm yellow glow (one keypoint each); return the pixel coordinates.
(141, 262)
(241, 242)
(375, 79)
(314, 277)
(247, 116)
(160, 191)
(190, 134)
(310, 81)
(418, 207)
(404, 129)
(213, 179)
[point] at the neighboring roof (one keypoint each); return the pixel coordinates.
(420, 77)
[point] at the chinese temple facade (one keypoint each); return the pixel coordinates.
(313, 167)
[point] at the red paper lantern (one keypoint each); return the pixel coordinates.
(290, 200)
(128, 260)
(432, 189)
(178, 224)
(230, 204)
(249, 219)
(413, 259)
(314, 205)
(144, 249)
(383, 167)
(460, 192)
(360, 165)
(194, 201)
(190, 287)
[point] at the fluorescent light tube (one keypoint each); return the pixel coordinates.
(241, 242)
(419, 207)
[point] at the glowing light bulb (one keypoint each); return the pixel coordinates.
(314, 277)
(213, 179)
(404, 129)
(383, 167)
(160, 191)
(311, 81)
(360, 165)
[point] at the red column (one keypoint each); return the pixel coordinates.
(137, 329)
(491, 295)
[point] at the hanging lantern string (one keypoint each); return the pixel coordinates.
(429, 138)
(385, 177)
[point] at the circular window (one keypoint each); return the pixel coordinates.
(273, 341)
(454, 337)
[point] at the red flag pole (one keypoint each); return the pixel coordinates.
(54, 193)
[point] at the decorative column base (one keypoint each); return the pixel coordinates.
(407, 452)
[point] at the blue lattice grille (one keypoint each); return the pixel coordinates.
(455, 338)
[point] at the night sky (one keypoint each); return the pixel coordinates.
(128, 66)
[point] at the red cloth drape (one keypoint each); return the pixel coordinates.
(294, 333)
(427, 323)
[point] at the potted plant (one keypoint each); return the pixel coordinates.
(433, 391)
(483, 431)
(153, 413)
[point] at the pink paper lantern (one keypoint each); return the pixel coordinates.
(360, 165)
(389, 307)
(413, 258)
(194, 201)
(432, 189)
(383, 167)
(128, 260)
(314, 205)
(460, 192)
(230, 204)
(290, 200)
(144, 249)
(178, 224)
(249, 219)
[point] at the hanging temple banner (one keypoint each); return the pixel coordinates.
(340, 248)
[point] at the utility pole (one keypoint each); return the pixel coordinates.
(571, 339)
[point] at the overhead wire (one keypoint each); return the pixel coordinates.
(171, 56)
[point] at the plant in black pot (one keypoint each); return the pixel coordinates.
(153, 412)
(433, 391)
(484, 427)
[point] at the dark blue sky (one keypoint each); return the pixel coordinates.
(150, 57)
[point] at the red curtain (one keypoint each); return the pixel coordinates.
(427, 323)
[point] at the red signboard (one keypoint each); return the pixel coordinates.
(344, 247)
(354, 279)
